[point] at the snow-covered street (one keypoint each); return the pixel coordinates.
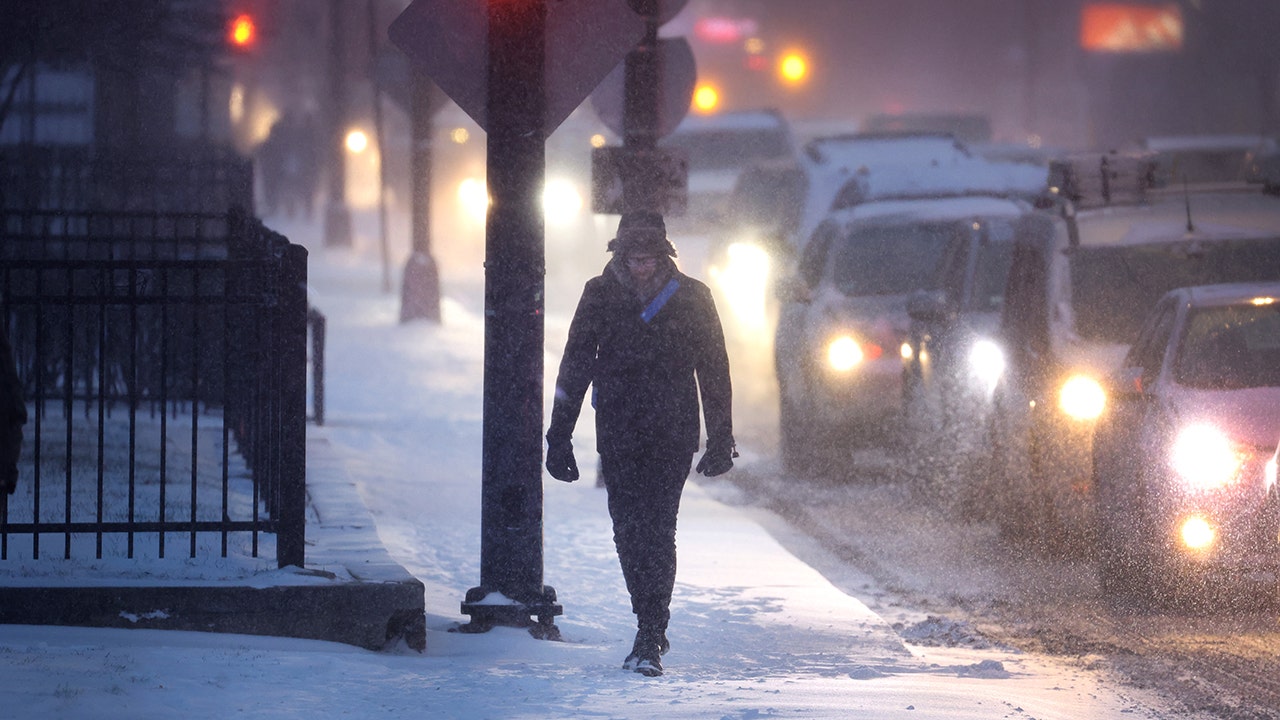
(755, 633)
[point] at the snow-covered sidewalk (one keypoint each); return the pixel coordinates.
(755, 632)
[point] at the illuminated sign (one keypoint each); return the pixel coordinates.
(724, 30)
(1131, 28)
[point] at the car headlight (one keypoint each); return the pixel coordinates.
(1204, 458)
(1197, 533)
(1082, 398)
(986, 362)
(473, 197)
(845, 352)
(561, 202)
(744, 281)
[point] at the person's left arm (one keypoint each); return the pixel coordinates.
(712, 369)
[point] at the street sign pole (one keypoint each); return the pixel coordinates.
(511, 592)
(518, 68)
(640, 113)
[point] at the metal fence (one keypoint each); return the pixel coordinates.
(185, 178)
(165, 379)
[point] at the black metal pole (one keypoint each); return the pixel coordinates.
(511, 590)
(380, 141)
(420, 289)
(337, 217)
(640, 113)
(292, 355)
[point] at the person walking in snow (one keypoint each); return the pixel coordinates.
(649, 339)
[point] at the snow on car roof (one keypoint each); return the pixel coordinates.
(853, 151)
(972, 175)
(931, 209)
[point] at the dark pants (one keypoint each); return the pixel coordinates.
(644, 499)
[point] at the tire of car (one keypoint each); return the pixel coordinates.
(1009, 465)
(1129, 571)
(795, 438)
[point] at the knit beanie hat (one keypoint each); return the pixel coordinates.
(641, 231)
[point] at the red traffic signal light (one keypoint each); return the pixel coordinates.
(242, 33)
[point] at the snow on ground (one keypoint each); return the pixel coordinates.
(756, 633)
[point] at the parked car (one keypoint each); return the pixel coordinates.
(1180, 455)
(842, 344)
(1073, 305)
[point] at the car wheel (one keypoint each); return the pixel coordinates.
(795, 438)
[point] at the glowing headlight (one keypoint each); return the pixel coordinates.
(844, 353)
(1197, 533)
(744, 279)
(473, 196)
(986, 362)
(1204, 458)
(1082, 398)
(561, 202)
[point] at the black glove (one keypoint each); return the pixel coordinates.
(560, 461)
(718, 459)
(10, 447)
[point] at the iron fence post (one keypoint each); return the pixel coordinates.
(292, 354)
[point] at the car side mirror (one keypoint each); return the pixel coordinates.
(929, 306)
(791, 289)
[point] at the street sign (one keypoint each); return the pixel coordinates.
(585, 39)
(677, 76)
(666, 171)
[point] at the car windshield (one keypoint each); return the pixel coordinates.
(991, 271)
(1229, 348)
(1112, 288)
(896, 259)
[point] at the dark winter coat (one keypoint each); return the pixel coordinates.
(646, 374)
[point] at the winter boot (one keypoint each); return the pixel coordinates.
(646, 652)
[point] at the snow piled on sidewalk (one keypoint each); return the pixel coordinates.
(755, 632)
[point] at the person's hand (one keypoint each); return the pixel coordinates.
(560, 461)
(718, 459)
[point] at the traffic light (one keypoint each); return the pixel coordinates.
(242, 32)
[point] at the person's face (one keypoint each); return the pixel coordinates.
(642, 266)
